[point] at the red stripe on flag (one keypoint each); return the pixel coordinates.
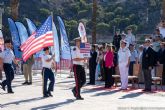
(30, 39)
(37, 44)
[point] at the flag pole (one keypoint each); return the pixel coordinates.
(53, 34)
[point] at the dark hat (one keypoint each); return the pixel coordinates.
(7, 41)
(131, 44)
(129, 28)
(46, 48)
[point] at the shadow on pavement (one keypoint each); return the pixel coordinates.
(106, 93)
(53, 106)
(21, 101)
(131, 95)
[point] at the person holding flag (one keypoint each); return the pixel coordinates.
(78, 68)
(47, 61)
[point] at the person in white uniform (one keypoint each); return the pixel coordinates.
(8, 57)
(78, 68)
(124, 61)
(47, 62)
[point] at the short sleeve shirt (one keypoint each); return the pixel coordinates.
(8, 56)
(124, 55)
(45, 63)
(76, 54)
(134, 55)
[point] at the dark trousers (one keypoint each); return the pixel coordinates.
(147, 79)
(163, 75)
(103, 69)
(131, 68)
(92, 71)
(108, 77)
(48, 74)
(80, 78)
(9, 73)
(0, 74)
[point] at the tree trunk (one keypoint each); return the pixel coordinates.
(14, 8)
(94, 15)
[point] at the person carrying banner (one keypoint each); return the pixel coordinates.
(8, 57)
(78, 68)
(47, 61)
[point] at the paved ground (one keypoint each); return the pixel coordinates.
(96, 97)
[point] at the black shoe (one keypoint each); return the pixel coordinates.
(45, 96)
(74, 92)
(25, 83)
(89, 83)
(107, 87)
(49, 94)
(3, 87)
(29, 83)
(10, 92)
(146, 90)
(79, 98)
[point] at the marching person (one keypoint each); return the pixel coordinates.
(47, 61)
(124, 61)
(108, 58)
(147, 65)
(8, 57)
(78, 68)
(92, 65)
(27, 71)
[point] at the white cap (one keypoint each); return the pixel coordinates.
(124, 41)
(147, 40)
(77, 38)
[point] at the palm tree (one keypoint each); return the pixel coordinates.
(14, 8)
(94, 15)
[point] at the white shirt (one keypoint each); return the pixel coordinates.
(162, 31)
(8, 56)
(124, 55)
(76, 54)
(45, 63)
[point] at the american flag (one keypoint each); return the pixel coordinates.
(42, 38)
(85, 48)
(28, 41)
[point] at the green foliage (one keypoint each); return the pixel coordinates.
(111, 13)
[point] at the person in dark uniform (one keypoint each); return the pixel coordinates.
(161, 60)
(117, 39)
(78, 68)
(147, 65)
(47, 61)
(92, 65)
(8, 58)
